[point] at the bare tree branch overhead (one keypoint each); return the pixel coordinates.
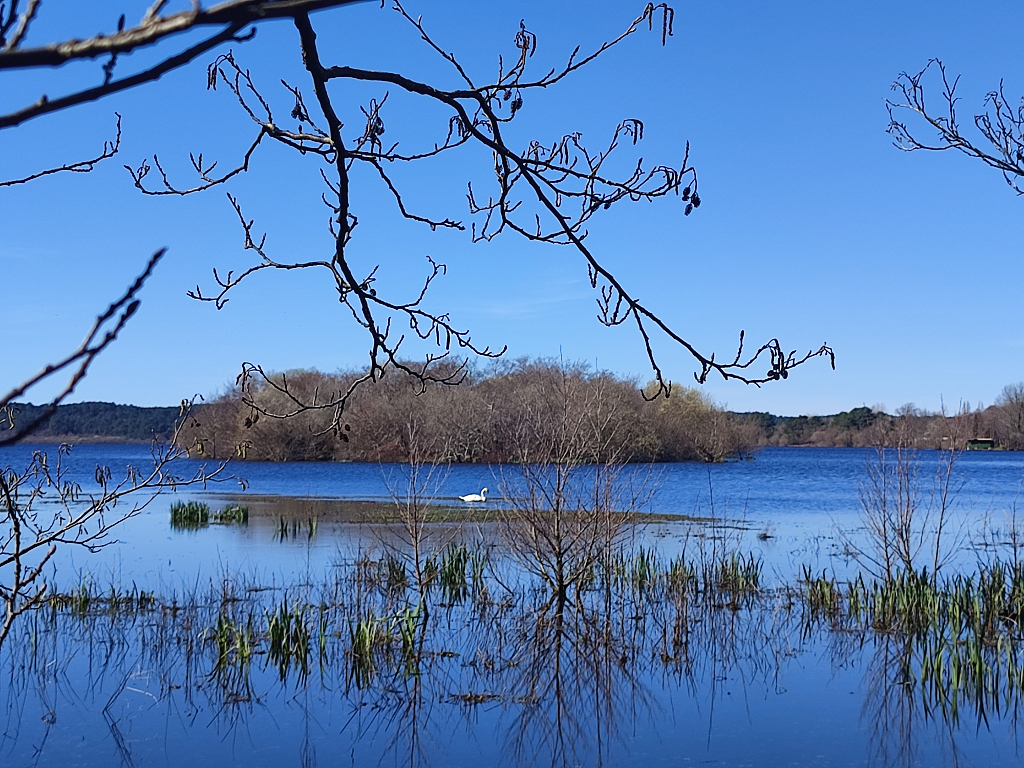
(546, 190)
(1001, 125)
(104, 332)
(232, 17)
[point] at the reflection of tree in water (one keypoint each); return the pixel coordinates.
(556, 682)
(571, 687)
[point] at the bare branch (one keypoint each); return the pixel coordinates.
(154, 28)
(103, 333)
(110, 148)
(1002, 126)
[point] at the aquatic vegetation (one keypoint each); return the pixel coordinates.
(190, 514)
(736, 574)
(451, 573)
(948, 649)
(392, 575)
(288, 637)
(234, 642)
(680, 577)
(233, 513)
(293, 529)
(367, 636)
(821, 594)
(197, 514)
(87, 598)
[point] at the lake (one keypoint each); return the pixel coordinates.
(633, 674)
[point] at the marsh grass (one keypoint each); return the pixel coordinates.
(288, 639)
(192, 515)
(953, 643)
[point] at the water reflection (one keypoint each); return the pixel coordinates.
(653, 661)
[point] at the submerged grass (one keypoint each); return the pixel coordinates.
(87, 598)
(292, 530)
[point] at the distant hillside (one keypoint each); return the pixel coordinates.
(97, 422)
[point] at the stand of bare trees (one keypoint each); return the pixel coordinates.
(480, 421)
(999, 426)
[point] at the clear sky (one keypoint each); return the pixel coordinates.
(813, 227)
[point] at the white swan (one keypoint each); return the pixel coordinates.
(475, 496)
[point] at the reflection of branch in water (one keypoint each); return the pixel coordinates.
(560, 683)
(887, 706)
(119, 742)
(573, 682)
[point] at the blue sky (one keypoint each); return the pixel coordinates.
(813, 227)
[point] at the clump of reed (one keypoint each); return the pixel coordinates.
(451, 573)
(197, 514)
(234, 641)
(190, 514)
(821, 594)
(736, 574)
(636, 570)
(288, 639)
(392, 575)
(366, 635)
(388, 639)
(680, 577)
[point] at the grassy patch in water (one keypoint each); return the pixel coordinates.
(192, 515)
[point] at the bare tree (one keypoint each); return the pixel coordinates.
(907, 528)
(568, 504)
(1001, 125)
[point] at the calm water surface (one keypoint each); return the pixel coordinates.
(802, 497)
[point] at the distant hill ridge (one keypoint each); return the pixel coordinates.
(99, 422)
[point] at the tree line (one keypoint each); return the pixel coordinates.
(393, 418)
(498, 415)
(1002, 423)
(92, 422)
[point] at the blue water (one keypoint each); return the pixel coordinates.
(778, 483)
(806, 499)
(115, 695)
